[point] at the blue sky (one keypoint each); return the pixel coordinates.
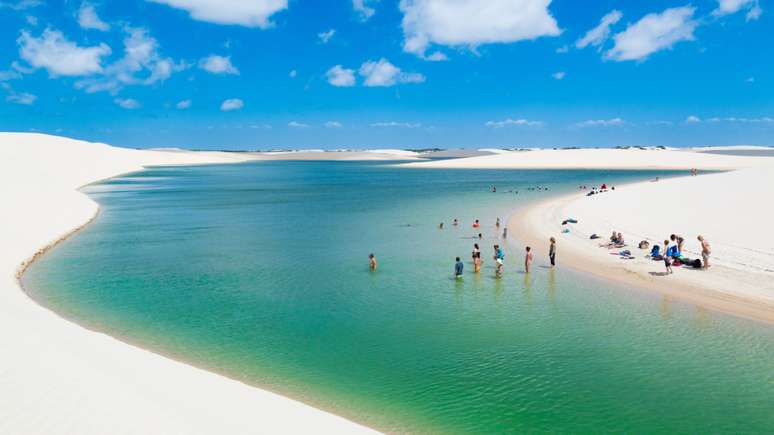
(262, 74)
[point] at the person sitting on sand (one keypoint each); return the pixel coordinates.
(667, 258)
(706, 250)
(621, 242)
(614, 237)
(372, 262)
(528, 259)
(552, 251)
(458, 266)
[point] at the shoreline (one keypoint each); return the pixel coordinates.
(61, 377)
(535, 223)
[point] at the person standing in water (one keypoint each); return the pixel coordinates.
(372, 262)
(505, 233)
(706, 250)
(497, 223)
(458, 266)
(476, 255)
(528, 259)
(552, 251)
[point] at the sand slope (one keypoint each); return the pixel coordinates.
(57, 377)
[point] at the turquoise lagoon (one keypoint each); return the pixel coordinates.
(259, 271)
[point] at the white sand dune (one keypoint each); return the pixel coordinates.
(594, 159)
(57, 377)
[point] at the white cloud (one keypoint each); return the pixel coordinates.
(293, 73)
(513, 122)
(692, 119)
(59, 56)
(326, 36)
(340, 76)
(215, 64)
(184, 104)
(141, 64)
(383, 73)
(20, 5)
(563, 49)
(31, 20)
(614, 122)
(559, 75)
(22, 98)
(10, 74)
(750, 80)
(333, 124)
(295, 124)
(727, 7)
(396, 124)
(762, 120)
(363, 9)
(654, 32)
(232, 104)
(128, 103)
(248, 13)
(598, 35)
(473, 22)
(88, 18)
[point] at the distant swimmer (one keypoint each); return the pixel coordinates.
(497, 224)
(505, 233)
(494, 189)
(440, 226)
(456, 222)
(476, 224)
(372, 262)
(458, 266)
(528, 259)
(480, 236)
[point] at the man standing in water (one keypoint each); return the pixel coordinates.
(528, 259)
(458, 266)
(552, 251)
(372, 262)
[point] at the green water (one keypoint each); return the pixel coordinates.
(259, 271)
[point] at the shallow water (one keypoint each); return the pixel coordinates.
(259, 271)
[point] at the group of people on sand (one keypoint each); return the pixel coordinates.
(671, 253)
(596, 190)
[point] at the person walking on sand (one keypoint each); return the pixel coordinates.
(372, 262)
(528, 259)
(458, 266)
(552, 251)
(706, 250)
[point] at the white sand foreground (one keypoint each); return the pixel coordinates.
(57, 377)
(732, 210)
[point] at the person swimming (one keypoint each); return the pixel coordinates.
(456, 222)
(476, 224)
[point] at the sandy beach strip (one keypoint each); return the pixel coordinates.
(730, 210)
(58, 377)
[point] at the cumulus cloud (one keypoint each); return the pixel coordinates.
(333, 124)
(141, 64)
(231, 104)
(512, 123)
(727, 7)
(396, 124)
(215, 64)
(248, 13)
(340, 76)
(473, 22)
(383, 73)
(88, 18)
(363, 9)
(127, 103)
(326, 36)
(692, 119)
(559, 75)
(295, 124)
(293, 73)
(60, 57)
(184, 104)
(652, 33)
(563, 49)
(614, 122)
(20, 5)
(598, 35)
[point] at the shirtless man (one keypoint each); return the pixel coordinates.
(706, 250)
